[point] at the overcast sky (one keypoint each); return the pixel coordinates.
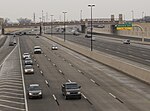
(14, 9)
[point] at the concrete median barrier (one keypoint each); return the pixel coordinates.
(128, 68)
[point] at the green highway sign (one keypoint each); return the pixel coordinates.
(126, 26)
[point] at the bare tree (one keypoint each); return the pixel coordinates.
(24, 20)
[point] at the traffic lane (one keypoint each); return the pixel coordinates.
(2, 40)
(5, 50)
(97, 96)
(55, 80)
(111, 45)
(37, 104)
(11, 85)
(109, 84)
(124, 52)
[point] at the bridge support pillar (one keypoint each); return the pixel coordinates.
(83, 28)
(40, 30)
(113, 29)
(3, 31)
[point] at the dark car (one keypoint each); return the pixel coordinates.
(11, 43)
(71, 90)
(34, 91)
(87, 35)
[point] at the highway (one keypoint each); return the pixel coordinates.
(103, 88)
(100, 91)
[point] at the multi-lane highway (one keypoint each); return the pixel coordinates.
(131, 52)
(103, 88)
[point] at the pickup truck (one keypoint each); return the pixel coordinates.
(71, 90)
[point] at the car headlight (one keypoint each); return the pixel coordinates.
(79, 92)
(30, 93)
(40, 93)
(67, 92)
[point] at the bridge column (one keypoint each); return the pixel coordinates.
(83, 28)
(3, 31)
(40, 30)
(113, 29)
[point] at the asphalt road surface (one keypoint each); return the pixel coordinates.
(101, 91)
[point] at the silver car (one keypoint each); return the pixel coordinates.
(28, 69)
(28, 61)
(26, 55)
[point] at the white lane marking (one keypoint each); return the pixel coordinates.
(46, 82)
(147, 60)
(11, 102)
(11, 97)
(112, 95)
(83, 95)
(5, 78)
(10, 107)
(10, 86)
(131, 55)
(144, 55)
(11, 89)
(11, 93)
(11, 83)
(92, 80)
(69, 80)
(60, 71)
(79, 71)
(8, 55)
(24, 89)
(54, 97)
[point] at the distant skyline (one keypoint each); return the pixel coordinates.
(14, 9)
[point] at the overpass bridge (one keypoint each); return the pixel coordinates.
(83, 23)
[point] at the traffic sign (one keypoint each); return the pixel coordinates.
(126, 26)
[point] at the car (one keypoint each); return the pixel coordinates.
(26, 55)
(37, 36)
(93, 38)
(54, 47)
(71, 90)
(14, 41)
(11, 43)
(87, 35)
(126, 41)
(34, 91)
(37, 50)
(28, 61)
(28, 69)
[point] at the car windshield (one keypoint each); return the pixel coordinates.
(71, 86)
(32, 88)
(28, 67)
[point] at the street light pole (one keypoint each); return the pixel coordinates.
(132, 16)
(64, 26)
(51, 23)
(91, 6)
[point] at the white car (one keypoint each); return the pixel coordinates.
(126, 41)
(54, 47)
(37, 50)
(28, 69)
(26, 55)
